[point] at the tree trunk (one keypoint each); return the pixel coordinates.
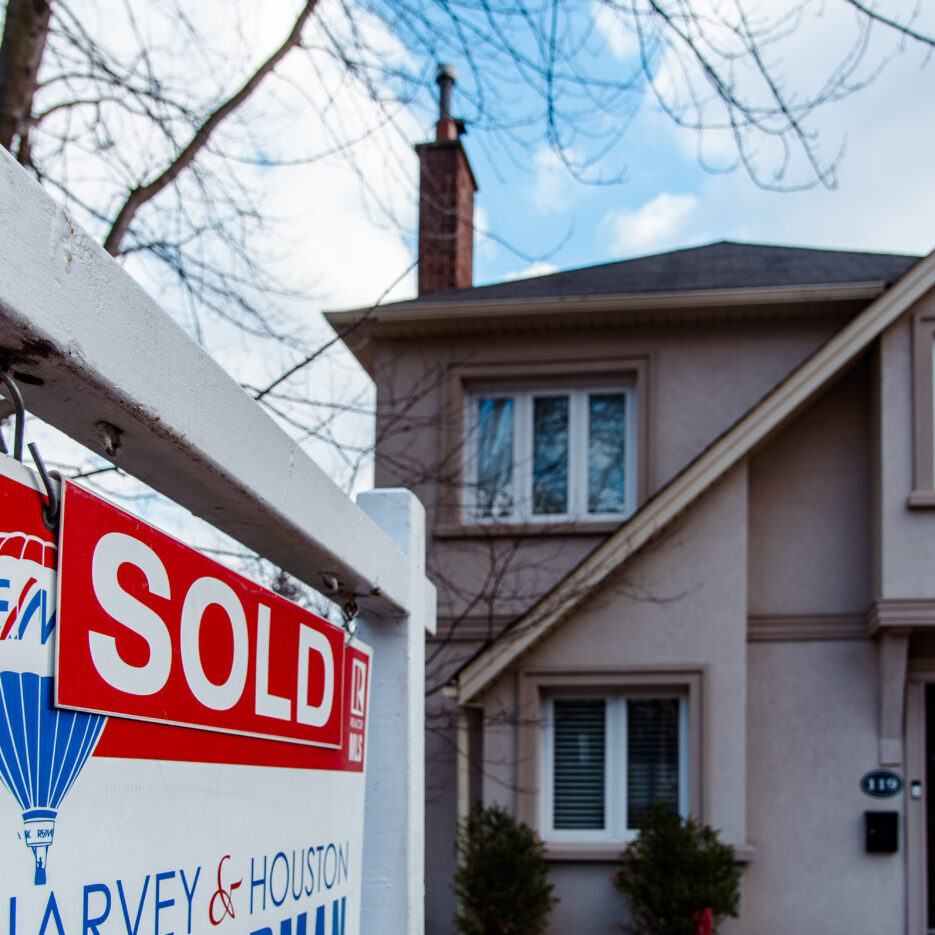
(24, 35)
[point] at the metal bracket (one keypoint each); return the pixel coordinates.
(17, 399)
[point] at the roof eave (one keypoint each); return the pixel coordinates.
(473, 315)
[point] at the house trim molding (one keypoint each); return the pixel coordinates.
(574, 528)
(610, 853)
(359, 328)
(803, 627)
(751, 431)
(889, 613)
(445, 313)
(469, 629)
(891, 621)
(923, 410)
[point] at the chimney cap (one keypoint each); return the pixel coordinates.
(446, 128)
(446, 73)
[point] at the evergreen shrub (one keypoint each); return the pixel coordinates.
(502, 877)
(674, 869)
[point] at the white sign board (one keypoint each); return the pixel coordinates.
(192, 761)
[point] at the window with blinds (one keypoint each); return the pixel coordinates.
(607, 760)
(652, 755)
(579, 763)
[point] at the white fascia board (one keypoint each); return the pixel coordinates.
(106, 352)
(481, 308)
(750, 431)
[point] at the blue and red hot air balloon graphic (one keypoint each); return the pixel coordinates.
(42, 748)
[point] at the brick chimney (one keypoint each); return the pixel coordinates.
(446, 202)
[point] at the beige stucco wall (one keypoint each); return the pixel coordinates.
(907, 536)
(684, 602)
(681, 606)
(810, 509)
(812, 729)
(813, 704)
(789, 726)
(700, 379)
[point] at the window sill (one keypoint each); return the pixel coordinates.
(921, 500)
(502, 530)
(610, 853)
(584, 853)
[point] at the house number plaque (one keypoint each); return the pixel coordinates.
(881, 783)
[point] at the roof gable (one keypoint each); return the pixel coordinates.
(762, 421)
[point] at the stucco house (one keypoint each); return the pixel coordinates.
(681, 517)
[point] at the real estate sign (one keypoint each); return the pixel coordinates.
(181, 750)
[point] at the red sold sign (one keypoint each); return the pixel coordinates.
(153, 630)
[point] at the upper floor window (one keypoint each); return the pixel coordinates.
(552, 454)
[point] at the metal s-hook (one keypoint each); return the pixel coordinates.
(16, 398)
(349, 611)
(50, 509)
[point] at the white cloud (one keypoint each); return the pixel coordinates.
(552, 188)
(658, 223)
(621, 40)
(539, 268)
(485, 246)
(807, 48)
(885, 200)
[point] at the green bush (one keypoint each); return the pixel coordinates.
(501, 880)
(675, 868)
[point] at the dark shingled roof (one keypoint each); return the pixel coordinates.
(723, 265)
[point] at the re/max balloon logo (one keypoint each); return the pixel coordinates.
(42, 749)
(25, 601)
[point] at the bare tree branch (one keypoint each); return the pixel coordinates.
(139, 196)
(891, 23)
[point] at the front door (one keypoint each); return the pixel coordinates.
(928, 785)
(920, 798)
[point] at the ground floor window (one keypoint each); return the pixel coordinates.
(606, 759)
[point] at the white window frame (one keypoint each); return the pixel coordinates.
(615, 786)
(578, 431)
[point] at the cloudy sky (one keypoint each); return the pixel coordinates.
(353, 242)
(677, 188)
(884, 199)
